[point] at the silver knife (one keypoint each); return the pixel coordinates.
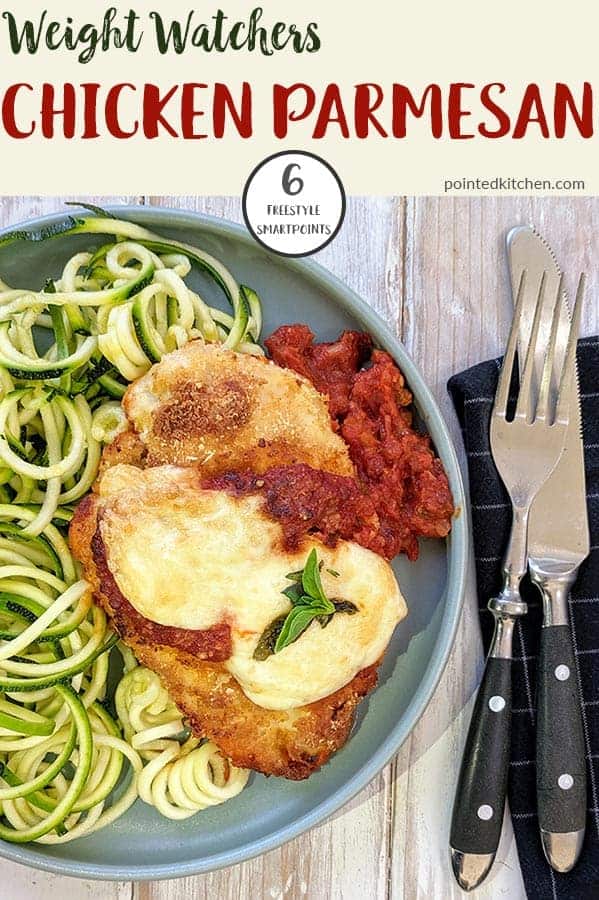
(558, 542)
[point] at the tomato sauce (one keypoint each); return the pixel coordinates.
(396, 467)
(307, 501)
(330, 367)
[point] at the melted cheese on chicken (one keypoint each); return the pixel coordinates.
(191, 558)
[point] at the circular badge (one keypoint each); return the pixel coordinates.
(294, 203)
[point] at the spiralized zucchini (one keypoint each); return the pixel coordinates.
(61, 752)
(68, 352)
(68, 766)
(182, 774)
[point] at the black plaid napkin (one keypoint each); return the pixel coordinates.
(472, 393)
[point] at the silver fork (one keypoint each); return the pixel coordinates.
(526, 450)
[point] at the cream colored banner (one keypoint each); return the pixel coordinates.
(493, 68)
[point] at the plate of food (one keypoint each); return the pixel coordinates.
(232, 544)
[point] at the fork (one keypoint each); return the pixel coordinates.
(526, 449)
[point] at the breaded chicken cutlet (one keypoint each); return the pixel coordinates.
(208, 667)
(201, 413)
(223, 411)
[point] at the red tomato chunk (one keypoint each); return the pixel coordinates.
(396, 466)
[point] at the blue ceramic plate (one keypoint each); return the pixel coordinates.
(142, 844)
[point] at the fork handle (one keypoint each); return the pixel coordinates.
(480, 795)
(561, 772)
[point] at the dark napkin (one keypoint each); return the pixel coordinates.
(472, 393)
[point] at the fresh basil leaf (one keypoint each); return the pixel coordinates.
(294, 593)
(301, 599)
(311, 578)
(314, 605)
(309, 603)
(308, 574)
(268, 639)
(295, 624)
(295, 576)
(324, 606)
(319, 588)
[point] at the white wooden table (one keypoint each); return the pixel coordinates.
(435, 270)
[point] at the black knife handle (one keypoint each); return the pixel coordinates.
(561, 771)
(480, 796)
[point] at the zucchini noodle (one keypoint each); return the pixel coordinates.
(182, 774)
(61, 752)
(68, 352)
(68, 765)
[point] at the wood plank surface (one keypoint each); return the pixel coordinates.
(435, 270)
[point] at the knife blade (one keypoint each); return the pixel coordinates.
(558, 541)
(528, 250)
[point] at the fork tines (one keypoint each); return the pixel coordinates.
(543, 409)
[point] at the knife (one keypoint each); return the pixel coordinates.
(558, 542)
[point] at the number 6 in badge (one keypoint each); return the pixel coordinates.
(292, 186)
(294, 203)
